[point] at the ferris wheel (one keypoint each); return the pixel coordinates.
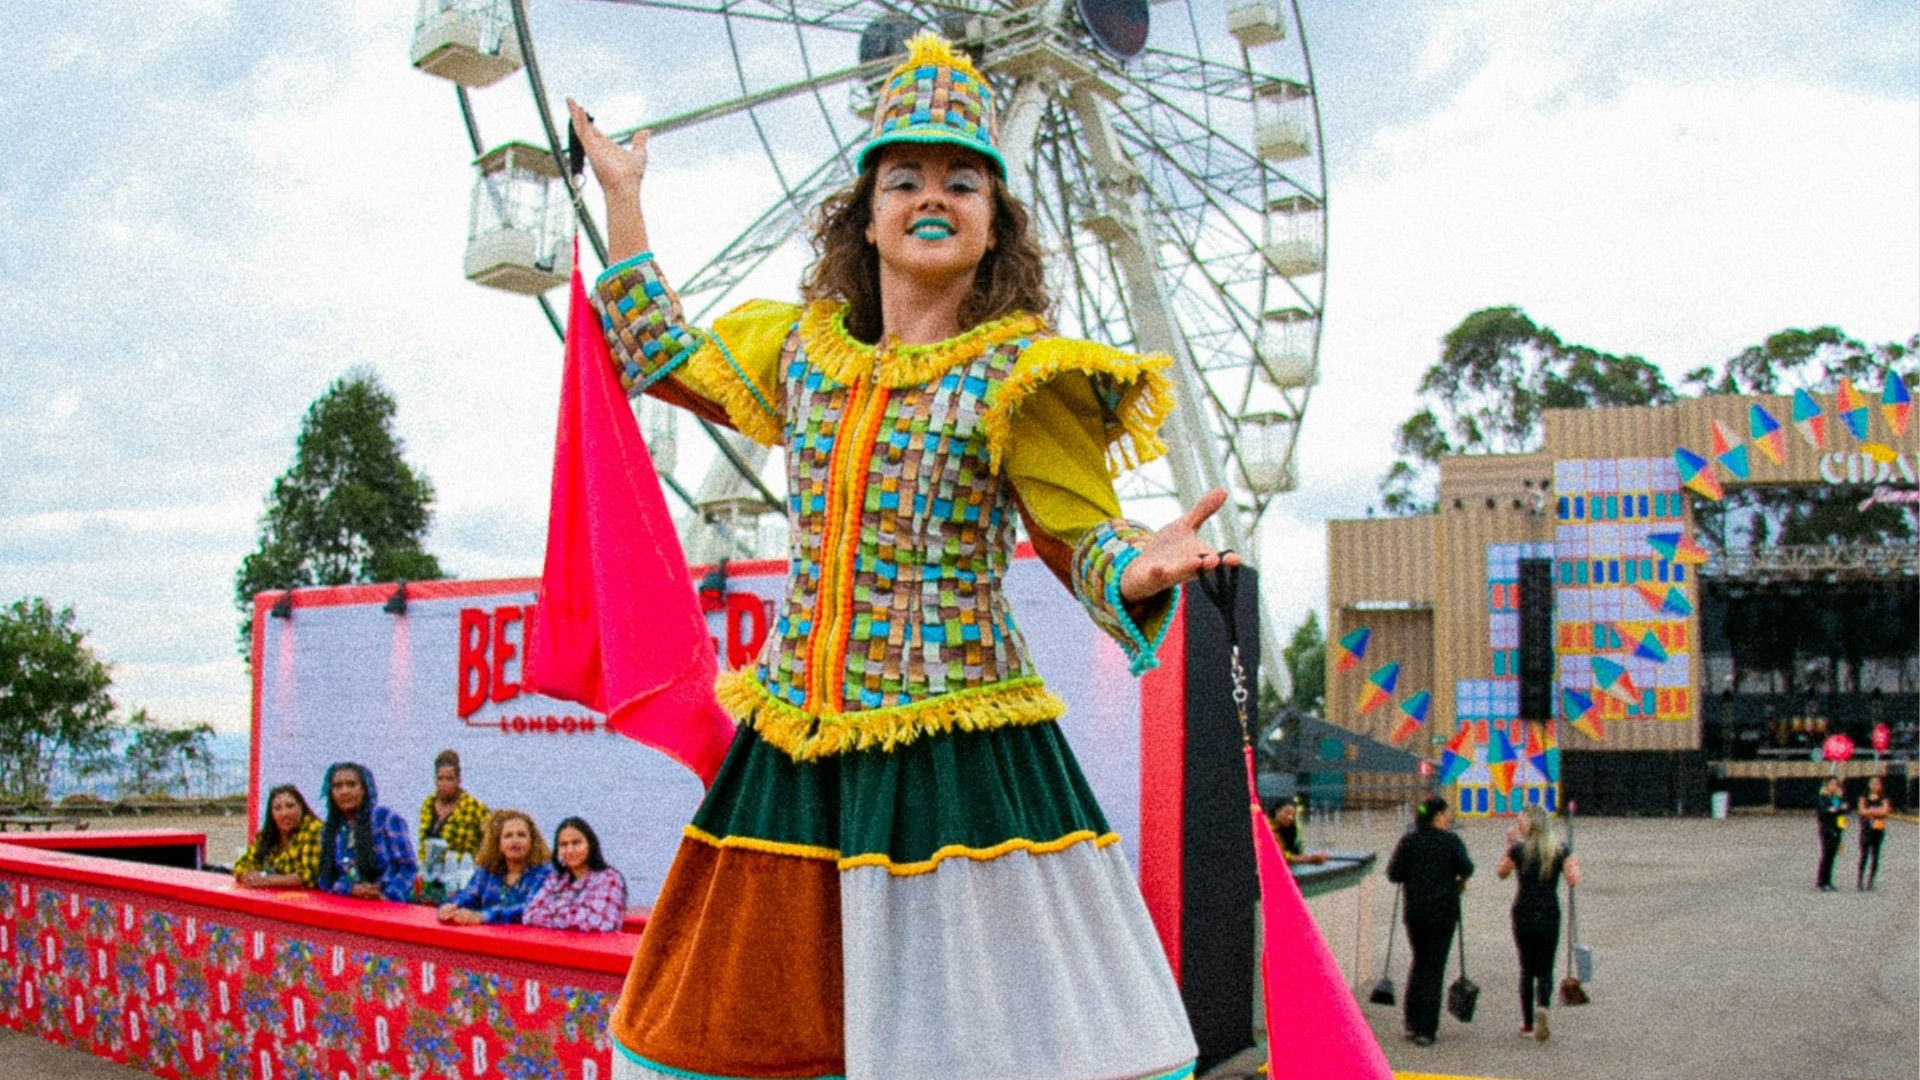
(1169, 152)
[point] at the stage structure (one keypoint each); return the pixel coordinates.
(1632, 617)
(1171, 155)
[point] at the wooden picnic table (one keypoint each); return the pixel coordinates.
(30, 822)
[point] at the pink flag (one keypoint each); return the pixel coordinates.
(1314, 1026)
(619, 628)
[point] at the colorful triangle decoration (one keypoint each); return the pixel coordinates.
(1646, 645)
(1881, 453)
(1767, 437)
(1676, 547)
(1457, 757)
(1729, 451)
(1696, 474)
(1414, 714)
(1852, 407)
(1896, 404)
(1543, 751)
(1676, 602)
(1578, 709)
(1655, 596)
(1612, 679)
(1352, 648)
(1379, 688)
(1807, 419)
(1502, 762)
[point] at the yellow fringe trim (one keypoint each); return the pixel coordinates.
(803, 736)
(729, 389)
(845, 359)
(1144, 406)
(987, 854)
(928, 49)
(770, 847)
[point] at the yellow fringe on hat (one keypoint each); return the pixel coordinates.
(1144, 405)
(985, 854)
(846, 359)
(803, 736)
(928, 49)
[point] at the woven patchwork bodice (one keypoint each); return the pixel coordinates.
(902, 535)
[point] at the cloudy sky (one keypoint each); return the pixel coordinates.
(213, 208)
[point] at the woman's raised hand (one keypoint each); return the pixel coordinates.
(1176, 554)
(616, 167)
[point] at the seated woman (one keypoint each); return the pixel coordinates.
(285, 853)
(511, 867)
(365, 850)
(1285, 823)
(584, 893)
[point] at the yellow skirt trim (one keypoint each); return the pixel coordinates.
(804, 736)
(845, 359)
(770, 847)
(1133, 434)
(987, 854)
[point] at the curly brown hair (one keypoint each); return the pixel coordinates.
(490, 857)
(1011, 276)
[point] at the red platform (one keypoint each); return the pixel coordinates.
(185, 974)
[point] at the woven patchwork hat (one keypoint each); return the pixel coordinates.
(935, 95)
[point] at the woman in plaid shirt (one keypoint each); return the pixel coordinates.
(584, 893)
(511, 868)
(365, 851)
(451, 813)
(285, 853)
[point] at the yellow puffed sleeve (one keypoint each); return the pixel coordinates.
(738, 366)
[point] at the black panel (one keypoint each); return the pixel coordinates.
(1635, 782)
(1220, 889)
(1536, 639)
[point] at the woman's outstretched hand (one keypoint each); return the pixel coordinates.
(1176, 554)
(616, 167)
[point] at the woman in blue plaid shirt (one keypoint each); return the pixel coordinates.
(365, 848)
(512, 865)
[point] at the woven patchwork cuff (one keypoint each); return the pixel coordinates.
(1098, 561)
(646, 332)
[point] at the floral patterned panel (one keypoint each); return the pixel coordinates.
(179, 995)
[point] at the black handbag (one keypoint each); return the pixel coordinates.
(1464, 995)
(1383, 990)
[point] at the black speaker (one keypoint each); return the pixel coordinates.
(1536, 639)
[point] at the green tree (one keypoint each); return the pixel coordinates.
(1498, 371)
(53, 699)
(157, 758)
(1306, 660)
(349, 509)
(1805, 359)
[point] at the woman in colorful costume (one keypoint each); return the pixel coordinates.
(900, 870)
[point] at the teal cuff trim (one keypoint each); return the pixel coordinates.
(1180, 1073)
(621, 267)
(668, 1070)
(661, 372)
(1145, 654)
(740, 372)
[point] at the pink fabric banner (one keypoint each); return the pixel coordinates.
(1314, 1027)
(619, 628)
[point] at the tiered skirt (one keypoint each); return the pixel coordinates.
(955, 907)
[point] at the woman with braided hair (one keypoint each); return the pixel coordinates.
(899, 870)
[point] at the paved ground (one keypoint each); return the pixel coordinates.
(1716, 960)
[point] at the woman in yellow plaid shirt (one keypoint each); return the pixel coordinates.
(285, 853)
(451, 813)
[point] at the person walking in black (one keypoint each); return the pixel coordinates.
(1832, 812)
(1874, 808)
(1535, 854)
(1431, 864)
